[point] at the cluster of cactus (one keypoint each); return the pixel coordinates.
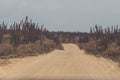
(26, 35)
(106, 35)
(23, 33)
(69, 37)
(28, 32)
(107, 41)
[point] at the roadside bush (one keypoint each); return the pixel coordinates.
(113, 52)
(90, 47)
(25, 49)
(6, 50)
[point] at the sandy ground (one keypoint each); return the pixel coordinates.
(71, 63)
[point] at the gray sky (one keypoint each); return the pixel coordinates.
(67, 15)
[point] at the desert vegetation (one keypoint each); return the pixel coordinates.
(101, 42)
(104, 42)
(25, 39)
(29, 39)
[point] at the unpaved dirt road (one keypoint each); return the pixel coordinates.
(70, 63)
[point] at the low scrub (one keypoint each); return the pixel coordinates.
(6, 51)
(90, 47)
(30, 49)
(113, 52)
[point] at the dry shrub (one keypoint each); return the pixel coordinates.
(101, 45)
(49, 42)
(30, 49)
(45, 46)
(25, 48)
(59, 46)
(48, 45)
(113, 51)
(36, 48)
(90, 47)
(6, 50)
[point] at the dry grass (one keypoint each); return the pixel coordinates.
(90, 47)
(30, 49)
(112, 51)
(6, 50)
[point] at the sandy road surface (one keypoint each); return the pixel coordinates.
(70, 63)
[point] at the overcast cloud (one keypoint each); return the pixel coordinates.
(67, 15)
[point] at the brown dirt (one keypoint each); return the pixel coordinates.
(69, 63)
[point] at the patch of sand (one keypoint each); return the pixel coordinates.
(69, 63)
